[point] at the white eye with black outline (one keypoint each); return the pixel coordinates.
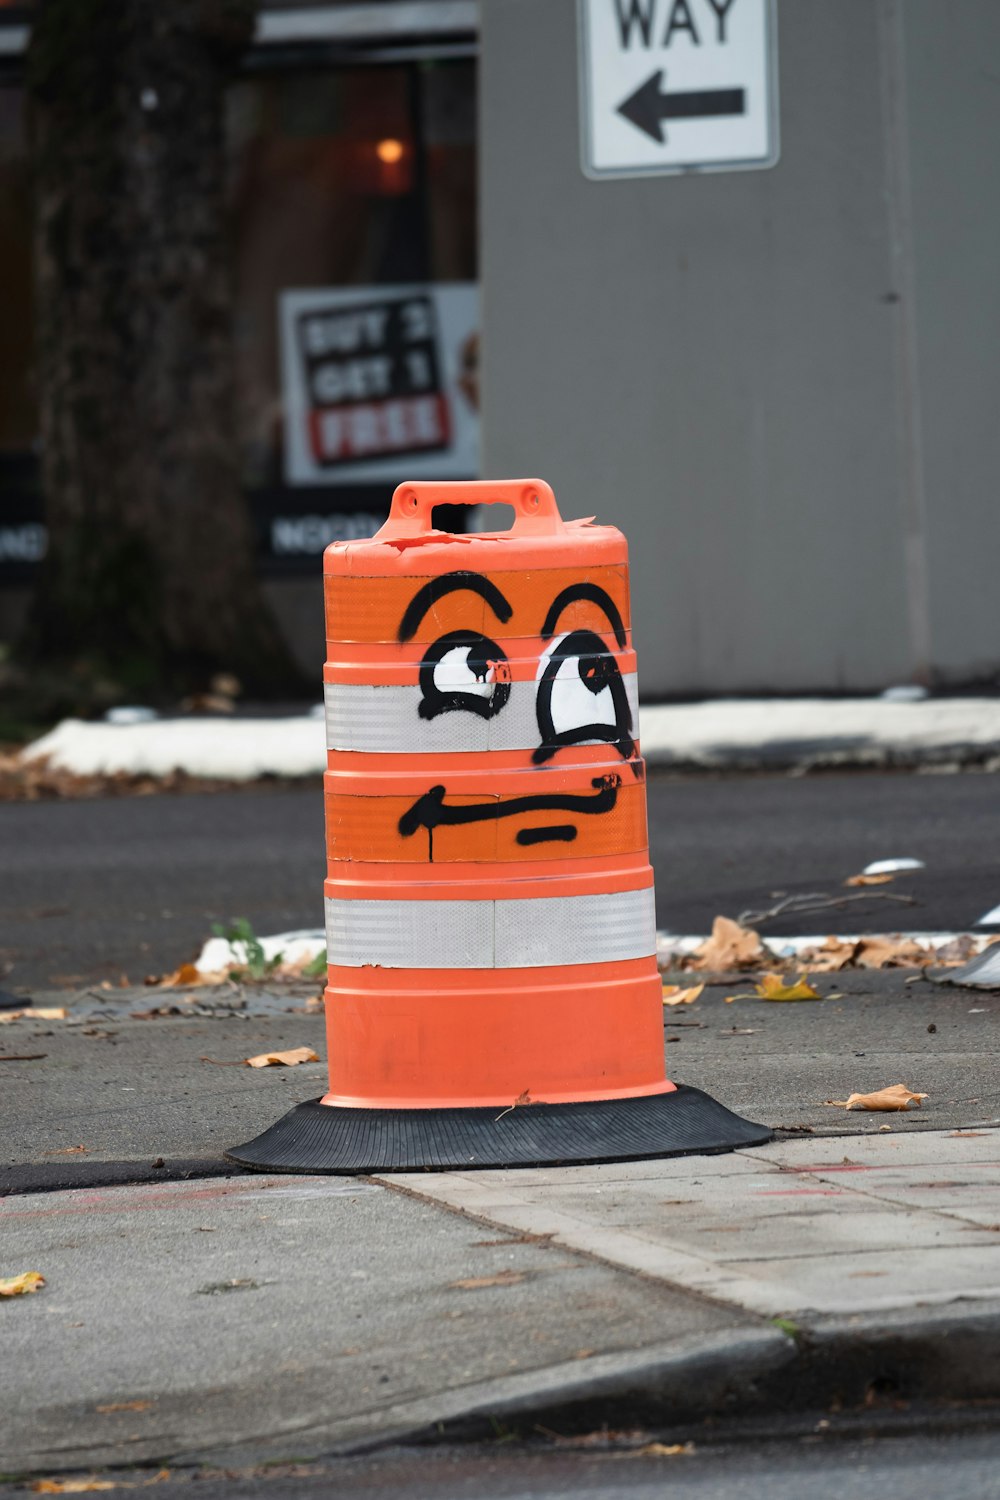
(463, 670)
(581, 696)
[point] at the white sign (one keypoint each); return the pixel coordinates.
(380, 383)
(677, 86)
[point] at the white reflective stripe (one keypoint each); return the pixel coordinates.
(385, 719)
(522, 934)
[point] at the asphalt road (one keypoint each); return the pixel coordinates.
(909, 1466)
(89, 890)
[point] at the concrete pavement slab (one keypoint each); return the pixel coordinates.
(279, 1317)
(135, 1092)
(850, 1237)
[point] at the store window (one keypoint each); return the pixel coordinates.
(352, 184)
(354, 245)
(22, 535)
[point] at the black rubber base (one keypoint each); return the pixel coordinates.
(317, 1137)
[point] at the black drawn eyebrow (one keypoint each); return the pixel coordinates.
(597, 596)
(437, 588)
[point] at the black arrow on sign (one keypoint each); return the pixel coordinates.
(649, 106)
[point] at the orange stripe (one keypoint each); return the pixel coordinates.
(449, 1038)
(367, 828)
(458, 881)
(483, 773)
(400, 665)
(362, 607)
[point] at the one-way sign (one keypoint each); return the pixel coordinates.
(677, 86)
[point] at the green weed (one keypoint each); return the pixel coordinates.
(252, 961)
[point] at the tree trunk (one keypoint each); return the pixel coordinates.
(149, 585)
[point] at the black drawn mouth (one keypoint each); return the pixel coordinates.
(431, 811)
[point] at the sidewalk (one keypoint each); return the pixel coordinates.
(242, 1319)
(721, 734)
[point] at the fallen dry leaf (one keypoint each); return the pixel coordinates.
(502, 1278)
(66, 1151)
(830, 956)
(19, 1286)
(773, 987)
(891, 953)
(863, 879)
(186, 976)
(72, 1486)
(35, 1013)
(883, 952)
(660, 1450)
(674, 995)
(289, 1059)
(730, 947)
(125, 1406)
(898, 1096)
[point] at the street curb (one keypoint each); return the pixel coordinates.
(935, 1355)
(699, 1387)
(803, 756)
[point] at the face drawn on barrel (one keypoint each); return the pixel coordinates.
(580, 698)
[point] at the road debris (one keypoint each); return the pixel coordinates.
(731, 946)
(35, 1013)
(981, 973)
(673, 994)
(773, 987)
(234, 1284)
(810, 901)
(892, 866)
(660, 1450)
(882, 952)
(73, 1486)
(20, 1286)
(502, 1278)
(289, 1059)
(896, 1097)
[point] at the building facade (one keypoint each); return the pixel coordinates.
(767, 345)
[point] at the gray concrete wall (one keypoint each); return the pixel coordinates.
(719, 363)
(952, 53)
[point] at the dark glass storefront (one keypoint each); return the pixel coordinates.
(352, 180)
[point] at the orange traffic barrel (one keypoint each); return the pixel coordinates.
(492, 996)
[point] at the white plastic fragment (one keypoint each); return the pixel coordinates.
(891, 866)
(132, 713)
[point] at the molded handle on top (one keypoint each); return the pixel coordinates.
(535, 510)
